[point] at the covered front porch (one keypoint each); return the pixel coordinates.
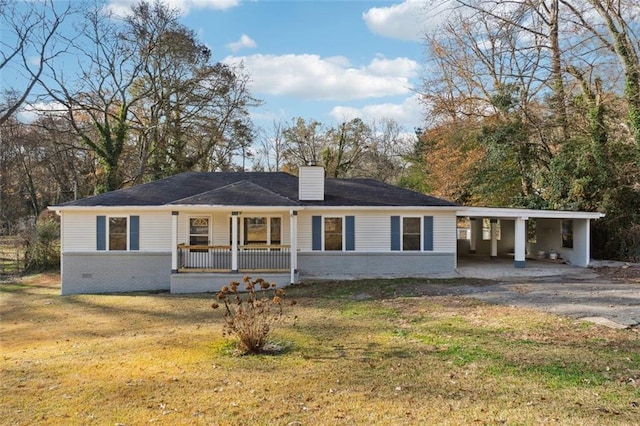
(211, 248)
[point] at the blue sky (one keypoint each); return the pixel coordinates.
(326, 60)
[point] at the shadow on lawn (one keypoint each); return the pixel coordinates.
(376, 289)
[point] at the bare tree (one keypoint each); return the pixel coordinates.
(98, 100)
(272, 147)
(193, 114)
(305, 143)
(31, 39)
(346, 146)
(618, 32)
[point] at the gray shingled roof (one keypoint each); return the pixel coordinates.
(256, 189)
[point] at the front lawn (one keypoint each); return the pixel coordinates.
(362, 352)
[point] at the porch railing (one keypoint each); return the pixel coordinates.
(218, 258)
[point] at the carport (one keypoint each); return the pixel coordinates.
(554, 235)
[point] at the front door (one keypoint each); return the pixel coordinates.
(199, 236)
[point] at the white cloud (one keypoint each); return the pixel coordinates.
(402, 66)
(31, 112)
(408, 113)
(409, 20)
(311, 77)
(244, 42)
(123, 7)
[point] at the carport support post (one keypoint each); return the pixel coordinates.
(474, 235)
(234, 242)
(494, 238)
(293, 232)
(520, 236)
(174, 242)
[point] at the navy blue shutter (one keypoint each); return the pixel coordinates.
(395, 233)
(350, 233)
(134, 232)
(428, 233)
(316, 233)
(101, 232)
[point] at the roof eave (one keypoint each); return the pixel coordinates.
(512, 213)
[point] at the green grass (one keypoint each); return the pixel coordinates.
(393, 357)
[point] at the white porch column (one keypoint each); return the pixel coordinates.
(234, 242)
(474, 235)
(494, 238)
(293, 232)
(520, 237)
(174, 242)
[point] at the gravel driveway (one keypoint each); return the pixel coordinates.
(607, 295)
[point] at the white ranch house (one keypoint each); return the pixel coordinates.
(195, 232)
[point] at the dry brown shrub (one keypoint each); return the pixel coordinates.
(252, 315)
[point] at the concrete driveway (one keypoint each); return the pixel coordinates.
(609, 295)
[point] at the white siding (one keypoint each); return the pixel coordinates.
(311, 183)
(155, 231)
(444, 231)
(220, 230)
(373, 229)
(304, 231)
(79, 231)
(286, 228)
(372, 232)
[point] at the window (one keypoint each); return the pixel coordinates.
(117, 233)
(567, 233)
(258, 230)
(255, 230)
(198, 232)
(333, 234)
(411, 234)
(276, 230)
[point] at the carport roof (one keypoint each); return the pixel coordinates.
(512, 213)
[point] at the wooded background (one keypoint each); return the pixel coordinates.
(528, 103)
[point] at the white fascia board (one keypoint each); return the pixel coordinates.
(508, 213)
(58, 209)
(379, 208)
(192, 207)
(244, 209)
(171, 207)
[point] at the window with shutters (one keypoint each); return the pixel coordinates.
(411, 235)
(117, 232)
(333, 234)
